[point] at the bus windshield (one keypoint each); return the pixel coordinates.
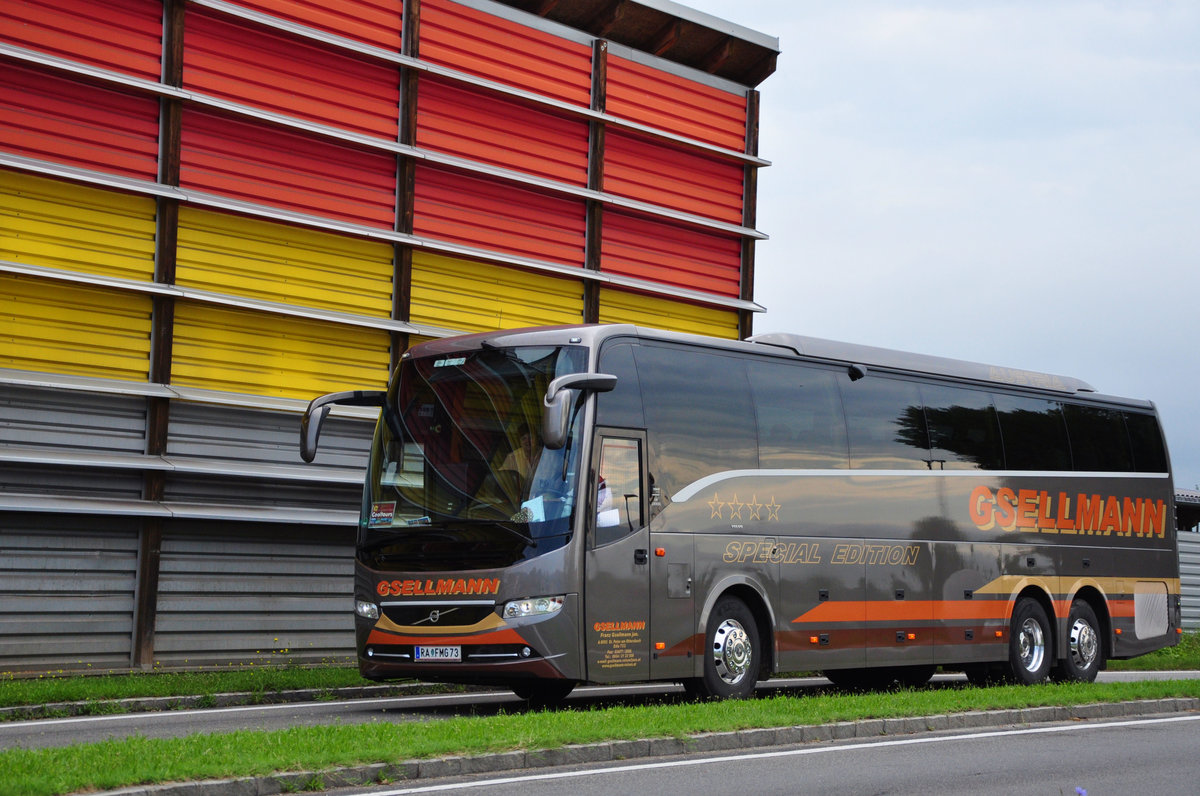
(459, 477)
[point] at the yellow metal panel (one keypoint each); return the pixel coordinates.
(61, 225)
(478, 297)
(275, 262)
(52, 327)
(263, 354)
(618, 306)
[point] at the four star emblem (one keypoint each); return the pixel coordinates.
(736, 509)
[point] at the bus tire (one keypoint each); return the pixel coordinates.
(1085, 651)
(1030, 643)
(731, 653)
(544, 693)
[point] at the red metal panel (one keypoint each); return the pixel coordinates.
(669, 175)
(123, 35)
(268, 165)
(483, 213)
(464, 121)
(374, 22)
(225, 57)
(675, 104)
(499, 49)
(670, 254)
(49, 117)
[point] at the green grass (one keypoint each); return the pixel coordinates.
(139, 760)
(260, 680)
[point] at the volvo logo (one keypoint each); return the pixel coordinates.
(435, 615)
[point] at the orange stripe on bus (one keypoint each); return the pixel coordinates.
(506, 636)
(907, 610)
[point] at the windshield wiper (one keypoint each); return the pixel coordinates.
(446, 533)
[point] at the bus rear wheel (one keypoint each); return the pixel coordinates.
(1085, 652)
(731, 653)
(1030, 647)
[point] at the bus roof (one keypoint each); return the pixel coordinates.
(920, 363)
(807, 347)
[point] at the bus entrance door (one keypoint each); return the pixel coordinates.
(617, 578)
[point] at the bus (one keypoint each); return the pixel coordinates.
(610, 503)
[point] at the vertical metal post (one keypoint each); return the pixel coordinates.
(749, 215)
(162, 332)
(595, 209)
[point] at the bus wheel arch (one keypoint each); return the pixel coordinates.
(1032, 636)
(737, 646)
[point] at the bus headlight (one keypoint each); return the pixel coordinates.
(534, 606)
(366, 610)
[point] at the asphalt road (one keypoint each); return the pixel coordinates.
(1140, 756)
(169, 724)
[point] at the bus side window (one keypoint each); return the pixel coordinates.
(623, 406)
(963, 431)
(887, 425)
(1099, 441)
(1034, 433)
(1149, 456)
(800, 422)
(619, 489)
(699, 414)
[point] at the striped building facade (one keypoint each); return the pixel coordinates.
(212, 211)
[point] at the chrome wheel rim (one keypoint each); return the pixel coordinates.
(1031, 645)
(1085, 644)
(732, 651)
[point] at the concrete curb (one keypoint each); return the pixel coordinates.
(409, 770)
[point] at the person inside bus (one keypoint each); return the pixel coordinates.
(607, 513)
(521, 459)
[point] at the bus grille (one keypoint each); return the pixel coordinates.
(418, 615)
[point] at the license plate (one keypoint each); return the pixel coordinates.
(439, 653)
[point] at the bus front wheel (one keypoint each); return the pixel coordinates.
(731, 654)
(1085, 652)
(1030, 647)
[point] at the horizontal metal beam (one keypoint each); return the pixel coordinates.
(165, 463)
(203, 199)
(166, 509)
(89, 384)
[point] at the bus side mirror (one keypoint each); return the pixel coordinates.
(560, 397)
(318, 408)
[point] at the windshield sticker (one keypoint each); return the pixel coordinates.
(382, 515)
(534, 510)
(446, 363)
(418, 521)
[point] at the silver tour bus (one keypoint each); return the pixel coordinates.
(546, 507)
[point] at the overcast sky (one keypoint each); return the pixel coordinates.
(1016, 183)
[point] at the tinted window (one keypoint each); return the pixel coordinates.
(619, 489)
(623, 406)
(886, 425)
(800, 422)
(700, 419)
(963, 431)
(1034, 434)
(1099, 442)
(1149, 456)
